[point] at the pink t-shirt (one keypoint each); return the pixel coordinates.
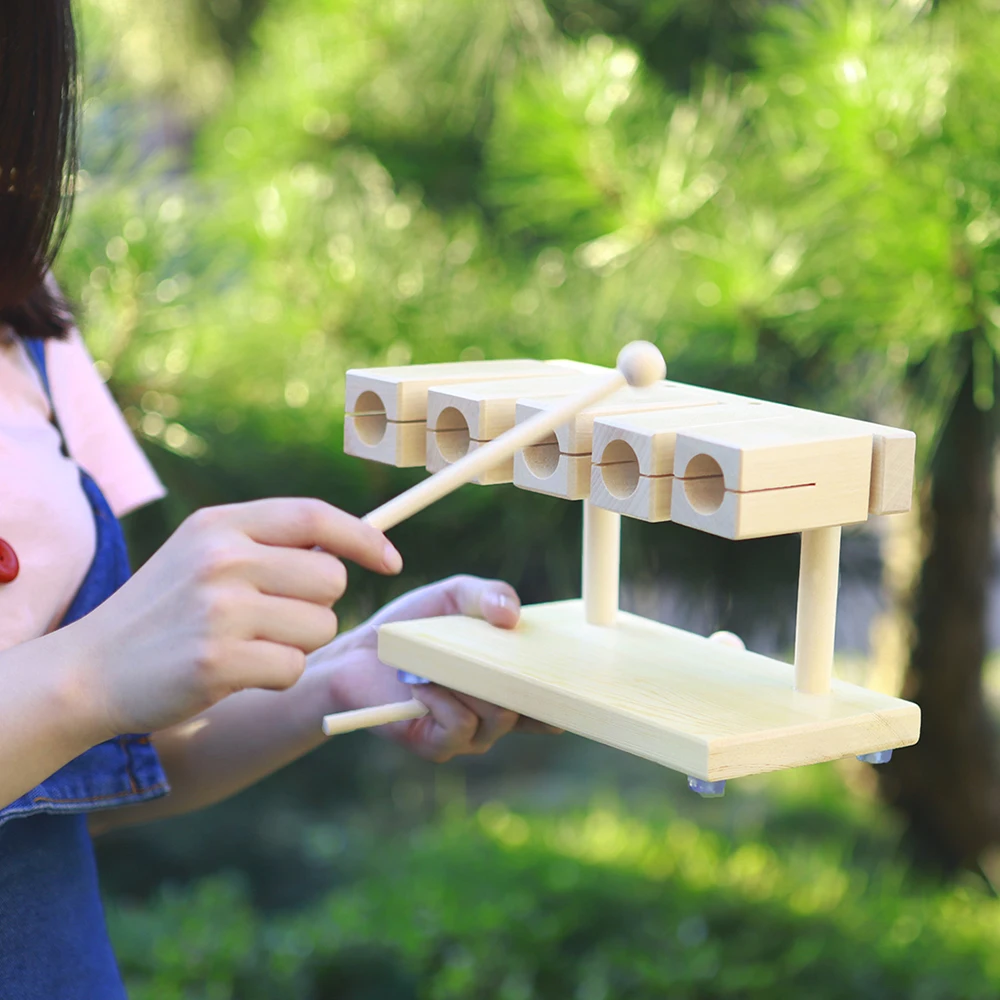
(44, 514)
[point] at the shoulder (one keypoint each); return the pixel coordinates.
(96, 433)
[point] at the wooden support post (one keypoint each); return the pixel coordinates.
(601, 564)
(816, 617)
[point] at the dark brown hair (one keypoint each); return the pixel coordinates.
(38, 158)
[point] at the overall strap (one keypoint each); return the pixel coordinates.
(117, 772)
(36, 352)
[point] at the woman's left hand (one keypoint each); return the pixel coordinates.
(456, 723)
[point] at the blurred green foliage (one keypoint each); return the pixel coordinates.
(598, 904)
(811, 220)
(796, 201)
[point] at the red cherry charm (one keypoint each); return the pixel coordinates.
(9, 566)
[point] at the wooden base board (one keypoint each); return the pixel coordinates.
(675, 698)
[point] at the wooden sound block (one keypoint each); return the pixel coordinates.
(391, 442)
(462, 415)
(386, 408)
(696, 706)
(771, 477)
(633, 458)
(560, 465)
(893, 460)
(633, 463)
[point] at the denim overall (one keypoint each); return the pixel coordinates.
(53, 940)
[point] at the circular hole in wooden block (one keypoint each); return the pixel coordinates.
(452, 434)
(542, 459)
(369, 418)
(704, 486)
(620, 469)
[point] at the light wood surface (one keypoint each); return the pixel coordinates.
(770, 477)
(634, 453)
(561, 465)
(403, 389)
(576, 437)
(601, 564)
(489, 407)
(398, 443)
(492, 453)
(462, 416)
(386, 408)
(338, 723)
(702, 708)
(652, 435)
(816, 615)
(893, 461)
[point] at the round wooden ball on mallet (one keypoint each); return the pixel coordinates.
(641, 363)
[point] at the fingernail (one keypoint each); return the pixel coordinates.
(500, 601)
(391, 559)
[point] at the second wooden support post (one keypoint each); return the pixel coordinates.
(601, 564)
(816, 616)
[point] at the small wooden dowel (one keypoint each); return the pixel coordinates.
(379, 715)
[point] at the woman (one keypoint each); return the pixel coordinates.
(221, 647)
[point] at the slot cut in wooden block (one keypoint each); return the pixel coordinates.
(633, 470)
(699, 707)
(771, 477)
(386, 408)
(463, 416)
(560, 465)
(633, 459)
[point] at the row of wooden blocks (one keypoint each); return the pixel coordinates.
(725, 464)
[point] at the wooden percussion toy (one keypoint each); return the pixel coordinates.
(626, 441)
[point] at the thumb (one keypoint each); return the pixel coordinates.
(493, 600)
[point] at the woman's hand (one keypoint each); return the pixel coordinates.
(457, 723)
(235, 599)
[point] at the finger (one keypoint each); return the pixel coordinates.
(494, 721)
(303, 523)
(449, 729)
(262, 664)
(301, 624)
(493, 600)
(303, 574)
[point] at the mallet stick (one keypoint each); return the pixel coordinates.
(639, 364)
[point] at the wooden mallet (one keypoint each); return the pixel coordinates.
(639, 364)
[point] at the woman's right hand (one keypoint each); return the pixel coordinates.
(235, 599)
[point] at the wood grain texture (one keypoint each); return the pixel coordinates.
(338, 723)
(489, 408)
(702, 708)
(465, 414)
(771, 477)
(601, 571)
(561, 465)
(403, 390)
(569, 478)
(400, 444)
(491, 453)
(816, 611)
(893, 460)
(576, 436)
(633, 457)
